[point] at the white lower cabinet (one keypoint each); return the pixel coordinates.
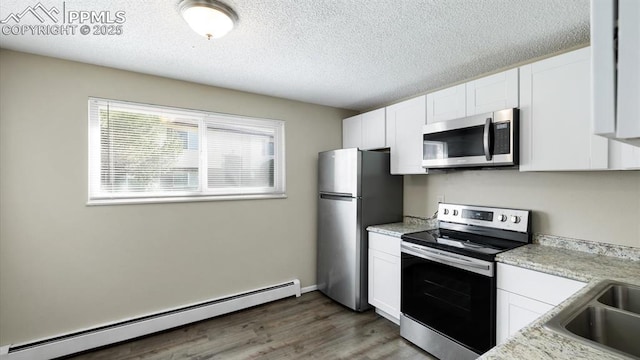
(524, 295)
(515, 312)
(384, 275)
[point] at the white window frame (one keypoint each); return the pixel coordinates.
(204, 119)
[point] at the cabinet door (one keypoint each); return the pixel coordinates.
(384, 282)
(447, 104)
(623, 156)
(628, 92)
(404, 135)
(352, 132)
(374, 130)
(515, 312)
(492, 93)
(555, 112)
(615, 40)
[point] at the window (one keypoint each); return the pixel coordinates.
(145, 153)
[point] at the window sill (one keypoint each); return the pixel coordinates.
(181, 199)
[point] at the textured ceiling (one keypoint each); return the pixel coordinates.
(354, 54)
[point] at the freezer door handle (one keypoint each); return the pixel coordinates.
(337, 196)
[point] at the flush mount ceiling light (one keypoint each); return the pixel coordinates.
(209, 18)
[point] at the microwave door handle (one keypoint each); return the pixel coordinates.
(486, 139)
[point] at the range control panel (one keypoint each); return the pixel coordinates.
(498, 218)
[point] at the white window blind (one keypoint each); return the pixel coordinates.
(141, 153)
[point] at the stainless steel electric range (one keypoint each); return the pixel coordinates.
(448, 286)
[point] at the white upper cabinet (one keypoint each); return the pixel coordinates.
(487, 94)
(365, 131)
(623, 156)
(447, 104)
(628, 99)
(352, 132)
(615, 39)
(555, 112)
(374, 130)
(404, 135)
(491, 93)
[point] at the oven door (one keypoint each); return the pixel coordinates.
(451, 294)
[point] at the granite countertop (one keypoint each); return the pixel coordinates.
(409, 225)
(536, 342)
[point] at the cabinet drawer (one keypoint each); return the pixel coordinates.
(385, 243)
(543, 287)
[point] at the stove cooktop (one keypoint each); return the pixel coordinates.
(463, 244)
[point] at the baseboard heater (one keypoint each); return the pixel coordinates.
(111, 333)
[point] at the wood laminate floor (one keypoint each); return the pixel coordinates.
(309, 327)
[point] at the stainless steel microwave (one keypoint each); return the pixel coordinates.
(486, 140)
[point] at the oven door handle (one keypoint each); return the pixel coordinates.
(486, 139)
(447, 260)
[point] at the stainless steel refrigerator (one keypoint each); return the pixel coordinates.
(355, 190)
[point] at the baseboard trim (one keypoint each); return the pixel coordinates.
(87, 339)
(307, 289)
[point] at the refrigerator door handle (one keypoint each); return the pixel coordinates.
(336, 196)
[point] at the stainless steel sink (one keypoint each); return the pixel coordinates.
(606, 317)
(623, 297)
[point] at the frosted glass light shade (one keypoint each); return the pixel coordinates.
(210, 19)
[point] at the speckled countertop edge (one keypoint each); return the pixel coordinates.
(410, 224)
(535, 341)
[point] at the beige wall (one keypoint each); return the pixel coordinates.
(597, 206)
(66, 266)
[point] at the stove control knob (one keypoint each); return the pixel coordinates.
(515, 219)
(455, 212)
(446, 211)
(502, 218)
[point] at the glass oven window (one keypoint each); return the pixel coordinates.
(457, 303)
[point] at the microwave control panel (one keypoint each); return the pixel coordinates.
(502, 138)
